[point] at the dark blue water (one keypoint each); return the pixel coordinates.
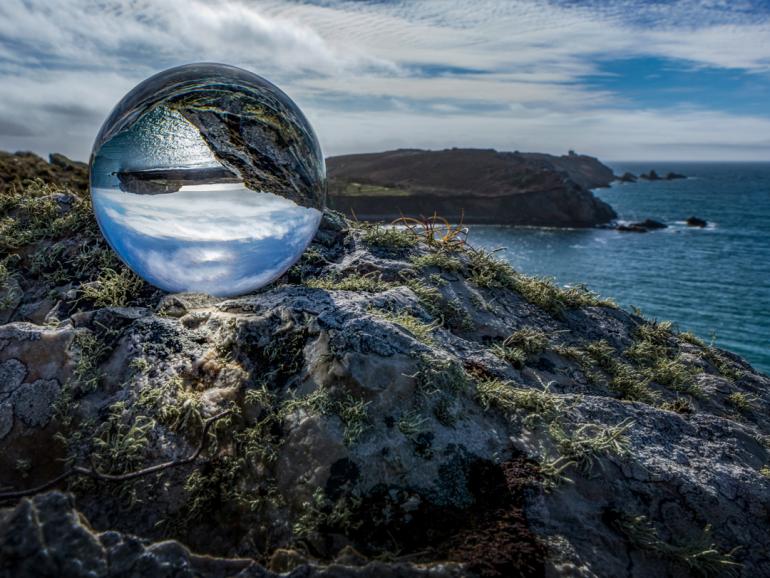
(714, 282)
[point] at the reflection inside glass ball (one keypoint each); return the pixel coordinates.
(208, 178)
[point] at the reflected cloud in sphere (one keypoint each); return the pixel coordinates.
(208, 178)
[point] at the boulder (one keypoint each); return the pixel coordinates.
(696, 222)
(642, 226)
(652, 224)
(632, 228)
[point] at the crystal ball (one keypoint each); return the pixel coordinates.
(207, 178)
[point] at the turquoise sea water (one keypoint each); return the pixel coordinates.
(714, 281)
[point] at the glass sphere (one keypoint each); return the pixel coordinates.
(208, 178)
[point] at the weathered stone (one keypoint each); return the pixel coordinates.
(46, 536)
(366, 423)
(33, 402)
(6, 418)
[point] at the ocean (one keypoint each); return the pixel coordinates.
(714, 282)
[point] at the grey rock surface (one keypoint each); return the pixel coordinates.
(397, 409)
(45, 536)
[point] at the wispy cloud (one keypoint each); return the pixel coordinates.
(192, 240)
(442, 73)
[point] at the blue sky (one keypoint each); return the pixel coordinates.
(654, 82)
(623, 80)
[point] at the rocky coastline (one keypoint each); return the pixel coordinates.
(395, 405)
(482, 185)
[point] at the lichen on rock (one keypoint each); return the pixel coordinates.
(395, 407)
(33, 402)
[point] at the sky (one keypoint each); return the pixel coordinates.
(624, 80)
(218, 239)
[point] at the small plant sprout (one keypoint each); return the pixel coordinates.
(412, 424)
(591, 441)
(741, 401)
(422, 331)
(436, 231)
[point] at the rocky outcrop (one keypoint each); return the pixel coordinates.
(627, 178)
(23, 168)
(653, 176)
(389, 399)
(587, 171)
(563, 206)
(484, 186)
(46, 536)
(641, 226)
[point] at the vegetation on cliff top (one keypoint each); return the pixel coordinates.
(397, 392)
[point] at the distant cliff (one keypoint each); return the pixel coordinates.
(23, 168)
(485, 185)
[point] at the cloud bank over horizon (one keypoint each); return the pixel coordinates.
(620, 80)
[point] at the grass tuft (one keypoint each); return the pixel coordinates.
(439, 260)
(520, 346)
(741, 401)
(438, 383)
(538, 403)
(422, 331)
(120, 446)
(700, 556)
(354, 415)
(449, 312)
(113, 288)
(412, 424)
(369, 283)
(487, 271)
(388, 237)
(591, 441)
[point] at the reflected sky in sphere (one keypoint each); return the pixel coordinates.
(207, 178)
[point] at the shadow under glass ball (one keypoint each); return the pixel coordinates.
(208, 178)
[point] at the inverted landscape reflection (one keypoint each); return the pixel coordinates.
(217, 239)
(168, 188)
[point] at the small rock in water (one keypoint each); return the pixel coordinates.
(642, 226)
(696, 222)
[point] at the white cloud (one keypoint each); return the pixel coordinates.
(64, 63)
(209, 238)
(206, 214)
(609, 134)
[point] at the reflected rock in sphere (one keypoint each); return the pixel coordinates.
(208, 178)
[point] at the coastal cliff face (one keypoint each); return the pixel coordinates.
(22, 168)
(390, 407)
(585, 170)
(485, 186)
